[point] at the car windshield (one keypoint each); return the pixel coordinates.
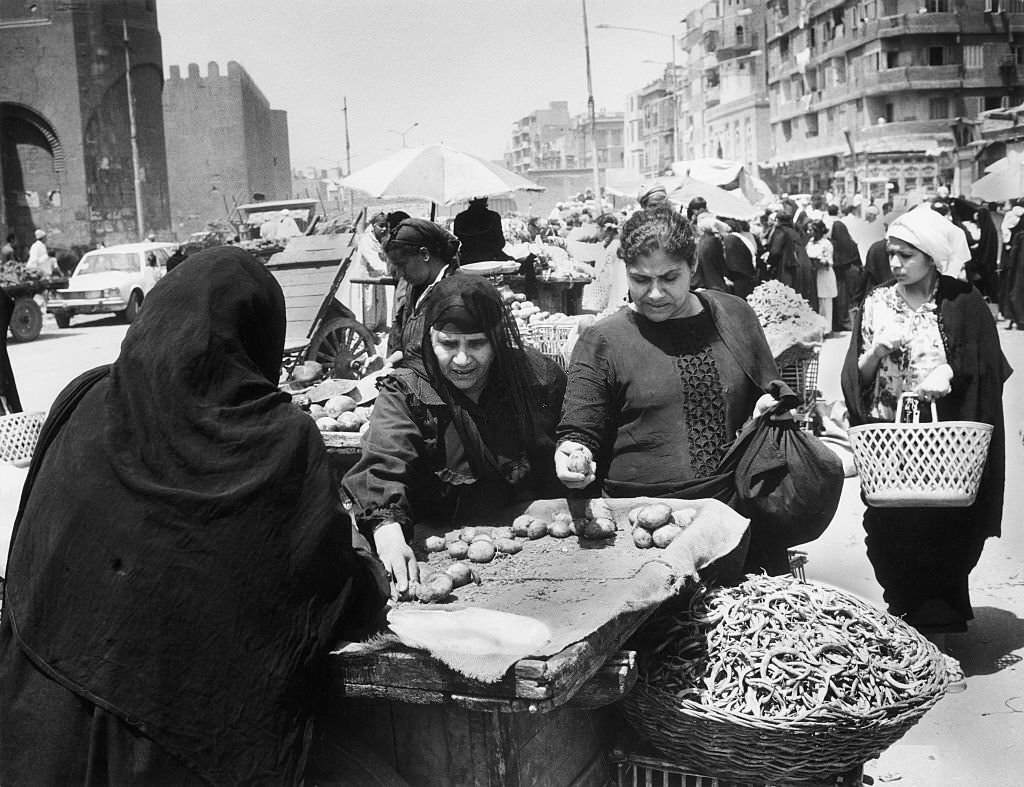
(104, 263)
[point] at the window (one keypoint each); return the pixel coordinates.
(888, 113)
(811, 124)
(892, 59)
(787, 130)
(784, 47)
(783, 7)
(936, 6)
(839, 64)
(936, 55)
(740, 34)
(974, 56)
(938, 108)
(1018, 53)
(993, 102)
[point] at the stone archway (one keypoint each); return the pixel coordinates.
(32, 170)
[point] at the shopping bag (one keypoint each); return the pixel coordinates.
(787, 481)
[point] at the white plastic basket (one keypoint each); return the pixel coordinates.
(18, 435)
(937, 464)
(550, 339)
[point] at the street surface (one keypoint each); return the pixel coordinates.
(971, 738)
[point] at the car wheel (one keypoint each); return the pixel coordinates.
(343, 346)
(63, 319)
(134, 306)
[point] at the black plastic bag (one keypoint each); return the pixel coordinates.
(787, 481)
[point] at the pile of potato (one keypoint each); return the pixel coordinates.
(657, 525)
(339, 414)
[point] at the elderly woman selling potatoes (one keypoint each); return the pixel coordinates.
(929, 334)
(657, 392)
(464, 429)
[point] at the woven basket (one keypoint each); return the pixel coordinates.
(937, 464)
(18, 435)
(827, 739)
(802, 376)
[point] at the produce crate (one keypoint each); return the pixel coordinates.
(801, 375)
(550, 339)
(638, 771)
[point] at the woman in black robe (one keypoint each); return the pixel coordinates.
(181, 563)
(9, 400)
(787, 257)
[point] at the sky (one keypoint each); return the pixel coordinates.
(463, 71)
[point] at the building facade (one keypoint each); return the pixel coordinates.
(579, 142)
(651, 126)
(242, 150)
(537, 139)
(66, 160)
(868, 95)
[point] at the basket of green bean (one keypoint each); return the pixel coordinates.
(778, 680)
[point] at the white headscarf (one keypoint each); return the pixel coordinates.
(936, 236)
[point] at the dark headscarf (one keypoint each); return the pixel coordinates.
(416, 233)
(473, 305)
(181, 557)
(7, 387)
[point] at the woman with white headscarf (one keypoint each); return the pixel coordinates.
(929, 333)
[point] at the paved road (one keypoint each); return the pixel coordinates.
(972, 738)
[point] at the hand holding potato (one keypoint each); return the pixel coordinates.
(937, 384)
(574, 464)
(396, 555)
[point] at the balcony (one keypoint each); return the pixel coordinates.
(913, 78)
(919, 24)
(733, 46)
(712, 96)
(907, 128)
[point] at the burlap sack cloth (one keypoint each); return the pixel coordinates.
(559, 591)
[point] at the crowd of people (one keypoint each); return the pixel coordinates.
(177, 504)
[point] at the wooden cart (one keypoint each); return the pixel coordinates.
(320, 327)
(26, 314)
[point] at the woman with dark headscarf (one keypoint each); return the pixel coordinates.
(181, 563)
(9, 400)
(466, 428)
(420, 253)
(787, 255)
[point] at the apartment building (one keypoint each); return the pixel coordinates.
(872, 95)
(537, 139)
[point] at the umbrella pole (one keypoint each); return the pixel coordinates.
(433, 210)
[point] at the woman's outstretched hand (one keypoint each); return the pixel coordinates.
(574, 464)
(397, 557)
(937, 384)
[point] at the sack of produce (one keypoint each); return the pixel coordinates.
(777, 680)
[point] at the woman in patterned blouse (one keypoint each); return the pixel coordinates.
(932, 335)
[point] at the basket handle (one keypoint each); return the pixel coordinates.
(916, 408)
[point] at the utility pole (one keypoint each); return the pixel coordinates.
(590, 107)
(348, 154)
(140, 220)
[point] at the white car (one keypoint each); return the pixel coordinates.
(113, 280)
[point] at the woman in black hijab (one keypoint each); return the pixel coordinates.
(181, 563)
(9, 401)
(466, 428)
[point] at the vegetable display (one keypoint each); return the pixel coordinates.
(787, 319)
(774, 647)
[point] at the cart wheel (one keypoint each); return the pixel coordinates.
(63, 319)
(342, 346)
(26, 319)
(131, 311)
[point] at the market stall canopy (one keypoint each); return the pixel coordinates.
(729, 204)
(1003, 180)
(438, 174)
(729, 175)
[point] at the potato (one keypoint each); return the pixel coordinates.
(481, 551)
(521, 525)
(560, 529)
(337, 405)
(665, 535)
(317, 411)
(438, 588)
(467, 533)
(684, 516)
(458, 549)
(501, 532)
(461, 574)
(508, 546)
(653, 516)
(579, 462)
(482, 537)
(327, 424)
(537, 529)
(435, 544)
(451, 535)
(348, 422)
(562, 516)
(598, 528)
(633, 514)
(642, 538)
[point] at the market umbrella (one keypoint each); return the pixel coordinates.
(1004, 180)
(438, 174)
(720, 202)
